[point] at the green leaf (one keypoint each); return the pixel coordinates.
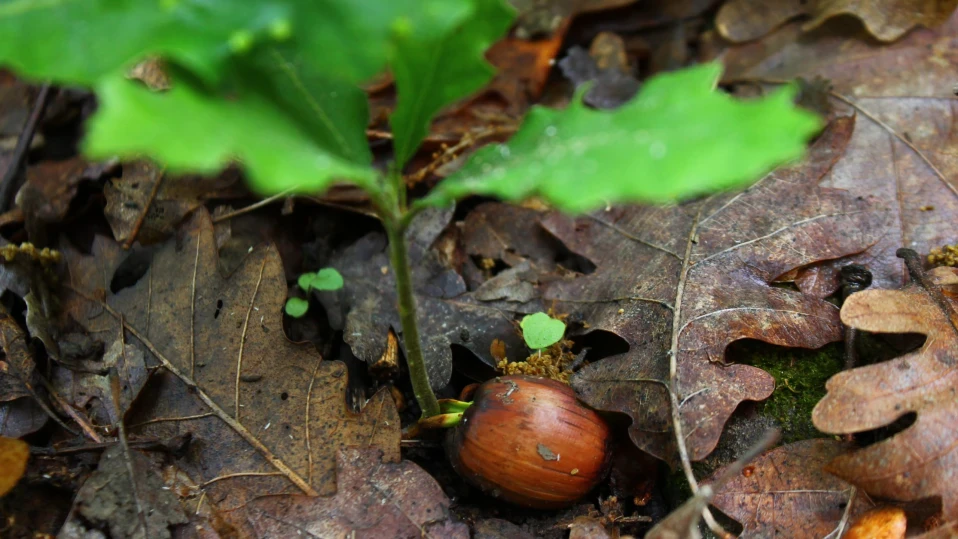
(296, 307)
(304, 280)
(78, 42)
(326, 279)
(541, 330)
(431, 74)
(189, 129)
(678, 138)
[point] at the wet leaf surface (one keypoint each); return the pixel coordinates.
(687, 280)
(920, 461)
(376, 498)
(787, 492)
(281, 407)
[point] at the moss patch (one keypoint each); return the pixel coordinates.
(800, 377)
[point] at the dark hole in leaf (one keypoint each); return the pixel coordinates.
(284, 396)
(219, 306)
(600, 344)
(129, 272)
(873, 436)
(574, 262)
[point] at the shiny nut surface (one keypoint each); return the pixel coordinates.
(531, 442)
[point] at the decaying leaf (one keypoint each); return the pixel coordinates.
(21, 409)
(13, 462)
(106, 500)
(147, 204)
(86, 383)
(448, 312)
(264, 413)
(787, 492)
(374, 499)
(51, 185)
(907, 86)
(887, 20)
(922, 460)
(685, 281)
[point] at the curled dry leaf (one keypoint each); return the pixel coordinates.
(374, 499)
(922, 460)
(264, 413)
(907, 86)
(786, 492)
(887, 20)
(21, 410)
(685, 281)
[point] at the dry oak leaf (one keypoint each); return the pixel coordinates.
(375, 499)
(786, 492)
(264, 413)
(13, 462)
(682, 282)
(887, 20)
(922, 460)
(906, 85)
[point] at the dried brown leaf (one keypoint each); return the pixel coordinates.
(906, 85)
(787, 492)
(887, 20)
(922, 460)
(13, 462)
(264, 413)
(51, 185)
(687, 280)
(374, 499)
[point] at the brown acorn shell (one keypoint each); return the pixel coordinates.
(529, 441)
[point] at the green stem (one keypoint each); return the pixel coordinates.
(399, 258)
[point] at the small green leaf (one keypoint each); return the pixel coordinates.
(303, 281)
(678, 138)
(431, 74)
(326, 279)
(296, 307)
(541, 330)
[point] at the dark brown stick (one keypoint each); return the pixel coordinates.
(8, 186)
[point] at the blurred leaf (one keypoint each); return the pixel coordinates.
(296, 307)
(432, 74)
(678, 138)
(326, 279)
(13, 462)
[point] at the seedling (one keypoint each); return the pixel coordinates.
(276, 86)
(540, 330)
(324, 279)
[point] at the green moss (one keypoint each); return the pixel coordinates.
(800, 377)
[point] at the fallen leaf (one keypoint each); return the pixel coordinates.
(13, 462)
(687, 280)
(887, 20)
(107, 500)
(920, 461)
(264, 413)
(448, 313)
(907, 86)
(786, 492)
(21, 409)
(604, 69)
(495, 528)
(51, 185)
(147, 204)
(375, 499)
(538, 17)
(881, 523)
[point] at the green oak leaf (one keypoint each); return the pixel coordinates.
(326, 279)
(189, 129)
(75, 42)
(541, 330)
(431, 74)
(679, 137)
(296, 307)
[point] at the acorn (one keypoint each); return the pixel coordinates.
(529, 441)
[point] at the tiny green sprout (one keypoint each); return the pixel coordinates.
(296, 307)
(541, 330)
(324, 279)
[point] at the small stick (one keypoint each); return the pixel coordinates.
(139, 220)
(8, 185)
(254, 206)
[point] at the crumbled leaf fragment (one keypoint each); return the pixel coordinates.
(679, 137)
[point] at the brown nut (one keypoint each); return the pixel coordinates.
(531, 442)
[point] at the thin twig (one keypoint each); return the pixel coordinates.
(67, 409)
(255, 206)
(121, 435)
(165, 419)
(146, 209)
(8, 185)
(242, 343)
(207, 400)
